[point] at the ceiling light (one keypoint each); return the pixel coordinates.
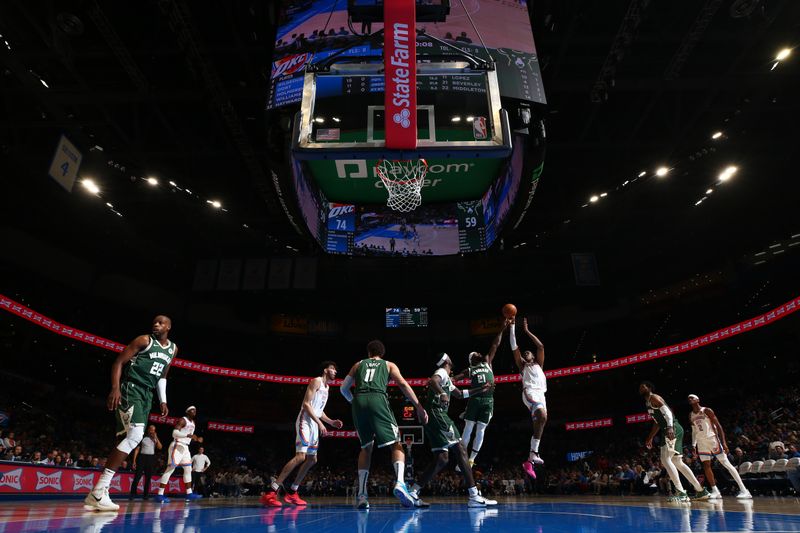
(716, 135)
(470, 119)
(594, 198)
(603, 195)
(109, 205)
(173, 183)
(90, 186)
(215, 203)
(700, 201)
(321, 120)
(777, 245)
(152, 181)
(728, 173)
(337, 119)
(456, 119)
(44, 83)
(662, 171)
(709, 191)
(188, 191)
(783, 54)
(642, 174)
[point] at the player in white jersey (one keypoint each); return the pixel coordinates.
(179, 456)
(708, 438)
(310, 425)
(534, 387)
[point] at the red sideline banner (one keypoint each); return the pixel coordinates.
(589, 424)
(18, 478)
(400, 64)
(638, 418)
(744, 326)
(212, 426)
(339, 434)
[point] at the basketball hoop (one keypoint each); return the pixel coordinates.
(403, 181)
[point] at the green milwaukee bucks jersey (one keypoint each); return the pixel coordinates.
(480, 375)
(149, 365)
(432, 398)
(658, 416)
(372, 375)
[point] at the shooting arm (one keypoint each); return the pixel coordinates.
(495, 345)
(539, 345)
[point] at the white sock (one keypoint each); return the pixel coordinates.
(295, 486)
(535, 445)
(399, 470)
(275, 486)
(160, 491)
(473, 455)
(723, 460)
(189, 490)
(104, 481)
(473, 491)
(362, 482)
(684, 469)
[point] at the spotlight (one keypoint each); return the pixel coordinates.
(709, 191)
(716, 135)
(728, 173)
(214, 203)
(594, 198)
(173, 183)
(90, 186)
(152, 181)
(603, 195)
(109, 205)
(456, 119)
(783, 54)
(320, 120)
(662, 171)
(642, 174)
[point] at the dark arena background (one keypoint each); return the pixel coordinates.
(279, 183)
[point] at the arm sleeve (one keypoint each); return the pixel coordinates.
(345, 388)
(512, 337)
(667, 414)
(162, 390)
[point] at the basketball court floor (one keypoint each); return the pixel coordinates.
(584, 514)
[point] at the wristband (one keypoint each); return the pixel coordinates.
(465, 393)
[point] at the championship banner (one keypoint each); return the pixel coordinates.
(638, 418)
(18, 478)
(750, 324)
(589, 424)
(400, 66)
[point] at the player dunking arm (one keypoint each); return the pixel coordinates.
(139, 369)
(310, 425)
(442, 433)
(708, 439)
(534, 387)
(179, 456)
(672, 438)
(373, 417)
(480, 407)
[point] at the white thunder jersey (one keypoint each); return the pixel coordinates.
(319, 400)
(189, 429)
(702, 425)
(533, 377)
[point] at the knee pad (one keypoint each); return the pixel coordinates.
(187, 474)
(132, 439)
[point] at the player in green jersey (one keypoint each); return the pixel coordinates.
(442, 433)
(671, 434)
(373, 417)
(137, 371)
(480, 408)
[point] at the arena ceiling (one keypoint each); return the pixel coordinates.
(176, 90)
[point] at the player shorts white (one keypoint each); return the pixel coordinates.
(178, 454)
(534, 400)
(307, 440)
(708, 447)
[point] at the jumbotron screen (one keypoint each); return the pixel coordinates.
(406, 317)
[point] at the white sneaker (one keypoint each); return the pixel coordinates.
(480, 501)
(401, 493)
(537, 460)
(362, 502)
(104, 503)
(715, 494)
(744, 495)
(418, 502)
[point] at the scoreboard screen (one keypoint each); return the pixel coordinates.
(406, 317)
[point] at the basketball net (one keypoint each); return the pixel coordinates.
(403, 181)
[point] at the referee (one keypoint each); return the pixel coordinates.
(144, 461)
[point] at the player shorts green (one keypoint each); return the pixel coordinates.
(374, 420)
(480, 409)
(440, 430)
(675, 447)
(134, 407)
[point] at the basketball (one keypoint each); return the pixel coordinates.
(509, 310)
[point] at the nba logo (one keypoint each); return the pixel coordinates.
(479, 128)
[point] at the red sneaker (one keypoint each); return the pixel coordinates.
(527, 466)
(294, 498)
(270, 499)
